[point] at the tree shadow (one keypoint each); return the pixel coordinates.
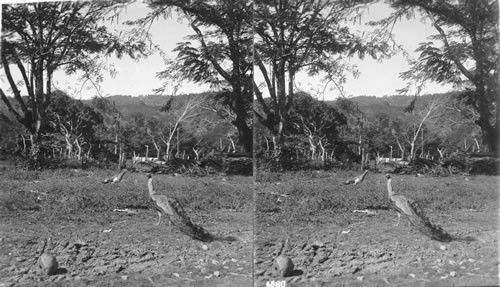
(296, 272)
(60, 271)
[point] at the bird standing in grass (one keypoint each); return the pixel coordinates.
(116, 178)
(415, 214)
(357, 179)
(178, 217)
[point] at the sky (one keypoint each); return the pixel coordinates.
(139, 78)
(380, 78)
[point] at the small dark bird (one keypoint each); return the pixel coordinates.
(178, 217)
(116, 178)
(416, 215)
(357, 179)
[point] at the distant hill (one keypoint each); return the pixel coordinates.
(369, 105)
(144, 104)
(391, 105)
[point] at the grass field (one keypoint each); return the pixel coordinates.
(316, 194)
(309, 216)
(71, 214)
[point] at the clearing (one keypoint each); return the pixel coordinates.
(105, 235)
(344, 235)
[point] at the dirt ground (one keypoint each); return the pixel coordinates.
(345, 248)
(358, 249)
(120, 249)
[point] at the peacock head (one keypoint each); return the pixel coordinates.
(387, 175)
(148, 175)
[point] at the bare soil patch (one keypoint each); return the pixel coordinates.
(331, 245)
(96, 244)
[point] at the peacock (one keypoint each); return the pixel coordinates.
(116, 178)
(357, 179)
(178, 217)
(416, 215)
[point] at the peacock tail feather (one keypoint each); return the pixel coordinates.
(182, 221)
(423, 224)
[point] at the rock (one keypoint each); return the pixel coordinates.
(318, 244)
(204, 247)
(442, 247)
(100, 270)
(283, 265)
(260, 272)
(118, 268)
(453, 274)
(216, 273)
(48, 264)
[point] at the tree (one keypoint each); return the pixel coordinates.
(223, 29)
(152, 129)
(378, 134)
(74, 121)
(418, 119)
(291, 36)
(181, 113)
(317, 121)
(12, 133)
(468, 56)
(38, 39)
(112, 120)
(355, 130)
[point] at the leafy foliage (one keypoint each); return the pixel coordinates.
(467, 57)
(218, 54)
(291, 36)
(44, 37)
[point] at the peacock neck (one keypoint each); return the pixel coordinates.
(389, 187)
(150, 187)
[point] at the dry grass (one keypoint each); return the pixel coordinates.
(63, 193)
(68, 193)
(311, 195)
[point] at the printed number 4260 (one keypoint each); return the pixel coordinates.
(276, 283)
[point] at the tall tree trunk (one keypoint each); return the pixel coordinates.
(488, 134)
(167, 151)
(412, 150)
(24, 144)
(422, 143)
(79, 147)
(245, 133)
(281, 108)
(35, 156)
(488, 130)
(69, 147)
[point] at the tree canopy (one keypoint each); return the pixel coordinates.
(291, 36)
(38, 39)
(219, 53)
(464, 52)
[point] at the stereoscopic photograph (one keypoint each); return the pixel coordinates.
(249, 143)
